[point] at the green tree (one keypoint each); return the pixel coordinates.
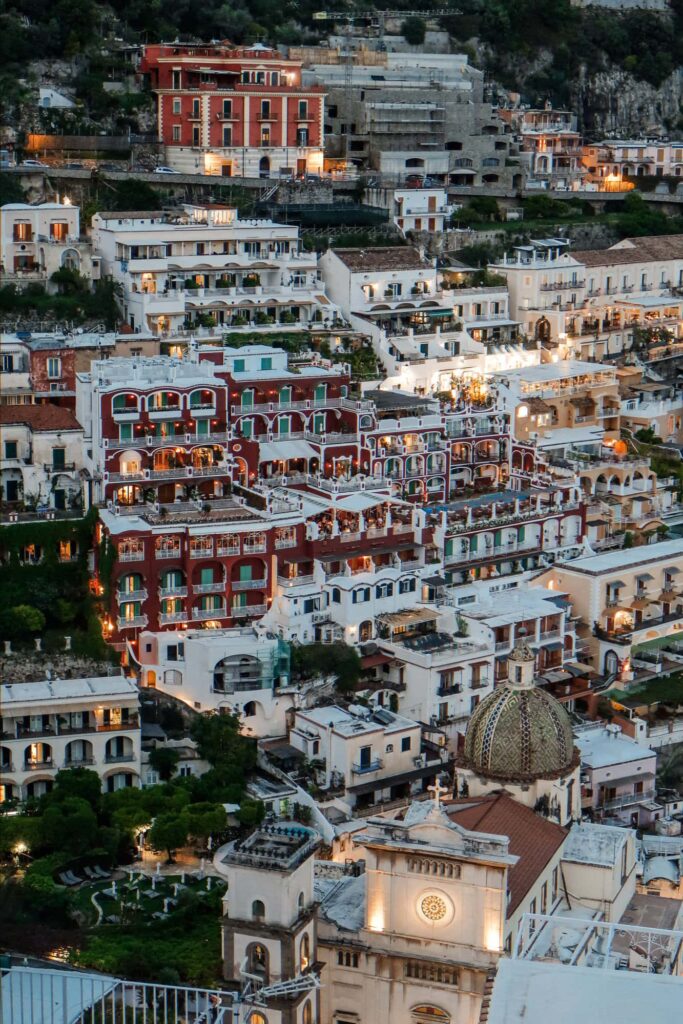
(82, 783)
(337, 659)
(164, 760)
(220, 742)
(251, 812)
(413, 30)
(168, 832)
(69, 826)
(21, 621)
(10, 189)
(206, 819)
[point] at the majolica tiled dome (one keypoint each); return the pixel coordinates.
(519, 733)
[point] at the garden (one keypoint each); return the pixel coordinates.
(77, 885)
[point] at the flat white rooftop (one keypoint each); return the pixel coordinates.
(603, 747)
(47, 692)
(528, 992)
(594, 844)
(629, 558)
(347, 724)
(549, 372)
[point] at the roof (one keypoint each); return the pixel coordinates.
(47, 691)
(39, 417)
(625, 558)
(599, 845)
(533, 992)
(601, 747)
(661, 868)
(390, 257)
(533, 839)
(342, 901)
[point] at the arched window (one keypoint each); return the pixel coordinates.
(301, 902)
(258, 909)
(304, 954)
(257, 961)
(307, 1013)
(249, 709)
(257, 1018)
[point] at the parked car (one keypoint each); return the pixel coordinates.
(74, 165)
(414, 181)
(165, 170)
(111, 167)
(33, 163)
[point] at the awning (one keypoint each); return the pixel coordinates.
(359, 502)
(283, 451)
(616, 583)
(556, 645)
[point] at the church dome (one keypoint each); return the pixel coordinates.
(519, 732)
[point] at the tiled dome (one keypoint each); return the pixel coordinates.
(519, 733)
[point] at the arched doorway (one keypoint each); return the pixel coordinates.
(264, 167)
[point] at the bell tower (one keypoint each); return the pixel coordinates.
(268, 926)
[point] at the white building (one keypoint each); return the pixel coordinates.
(632, 158)
(206, 267)
(242, 671)
(368, 755)
(63, 723)
(36, 241)
(413, 209)
(42, 459)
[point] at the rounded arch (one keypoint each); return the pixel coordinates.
(258, 909)
(415, 161)
(264, 167)
(542, 330)
(258, 963)
(304, 953)
(307, 1013)
(365, 631)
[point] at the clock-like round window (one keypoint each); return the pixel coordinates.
(435, 907)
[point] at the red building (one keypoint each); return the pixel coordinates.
(235, 110)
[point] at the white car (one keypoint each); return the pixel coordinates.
(165, 170)
(33, 163)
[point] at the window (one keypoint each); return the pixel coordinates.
(302, 136)
(195, 136)
(265, 136)
(405, 743)
(406, 586)
(196, 107)
(227, 135)
(265, 108)
(303, 109)
(258, 909)
(176, 133)
(177, 80)
(177, 104)
(7, 364)
(267, 363)
(336, 595)
(554, 883)
(11, 450)
(54, 368)
(227, 108)
(238, 365)
(304, 954)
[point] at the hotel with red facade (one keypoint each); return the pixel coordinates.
(239, 111)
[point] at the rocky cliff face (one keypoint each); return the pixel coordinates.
(614, 102)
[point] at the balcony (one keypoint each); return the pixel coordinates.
(285, 542)
(135, 622)
(449, 689)
(295, 581)
(127, 415)
(169, 552)
(33, 766)
(254, 548)
(119, 758)
(168, 412)
(65, 467)
(228, 549)
(372, 766)
(201, 550)
(172, 592)
(133, 722)
(131, 595)
(204, 614)
(246, 610)
(135, 555)
(503, 645)
(166, 618)
(627, 800)
(209, 588)
(249, 584)
(77, 762)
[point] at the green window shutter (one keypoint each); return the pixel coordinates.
(239, 600)
(238, 366)
(247, 427)
(473, 543)
(247, 399)
(320, 392)
(206, 576)
(497, 538)
(202, 428)
(449, 547)
(125, 431)
(266, 363)
(245, 572)
(319, 423)
(520, 533)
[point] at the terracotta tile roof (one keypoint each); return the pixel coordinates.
(533, 839)
(40, 417)
(649, 248)
(391, 257)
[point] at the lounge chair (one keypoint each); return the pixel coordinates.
(91, 874)
(73, 879)
(64, 879)
(100, 872)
